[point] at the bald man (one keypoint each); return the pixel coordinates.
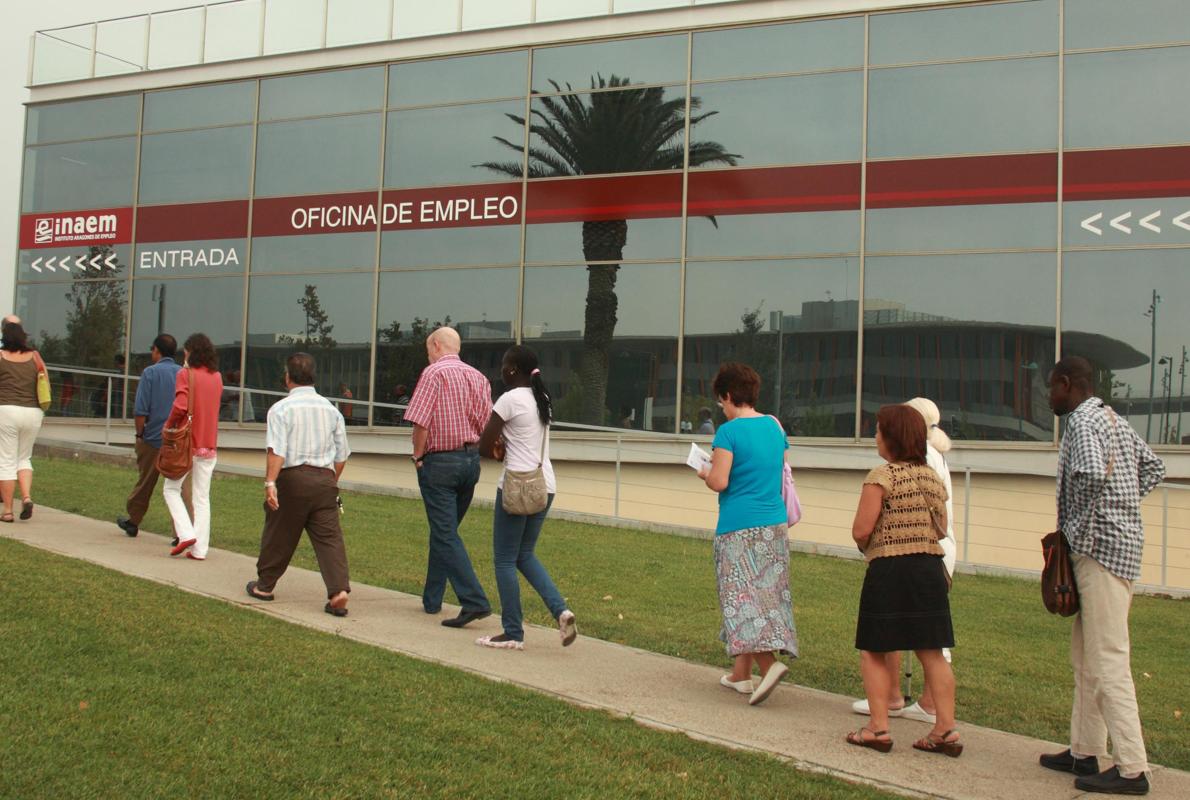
(449, 409)
(13, 318)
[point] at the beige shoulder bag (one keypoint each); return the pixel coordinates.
(524, 493)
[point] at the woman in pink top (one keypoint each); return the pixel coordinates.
(201, 402)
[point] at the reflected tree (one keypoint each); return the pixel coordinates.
(629, 130)
(94, 333)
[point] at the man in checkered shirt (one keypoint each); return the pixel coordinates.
(1104, 469)
(448, 411)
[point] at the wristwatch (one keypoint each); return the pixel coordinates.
(270, 484)
(415, 460)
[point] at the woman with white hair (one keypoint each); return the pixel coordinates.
(937, 445)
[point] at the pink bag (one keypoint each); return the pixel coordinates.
(793, 506)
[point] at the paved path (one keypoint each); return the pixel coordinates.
(804, 726)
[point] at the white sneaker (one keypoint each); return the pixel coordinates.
(567, 627)
(918, 713)
(507, 644)
(743, 687)
(861, 707)
(768, 683)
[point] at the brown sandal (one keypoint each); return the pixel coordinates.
(875, 743)
(933, 743)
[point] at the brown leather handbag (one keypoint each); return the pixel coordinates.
(174, 457)
(1058, 589)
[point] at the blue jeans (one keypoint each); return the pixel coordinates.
(447, 482)
(513, 540)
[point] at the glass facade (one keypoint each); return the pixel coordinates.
(865, 208)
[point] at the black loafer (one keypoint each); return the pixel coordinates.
(127, 526)
(465, 617)
(1066, 762)
(1112, 782)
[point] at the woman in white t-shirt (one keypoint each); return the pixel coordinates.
(517, 434)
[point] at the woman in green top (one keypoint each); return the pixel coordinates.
(751, 539)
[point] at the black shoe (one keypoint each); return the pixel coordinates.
(175, 541)
(466, 616)
(1112, 782)
(127, 525)
(1066, 762)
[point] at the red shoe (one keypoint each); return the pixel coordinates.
(190, 555)
(181, 547)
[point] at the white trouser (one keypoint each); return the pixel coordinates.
(200, 487)
(1104, 695)
(18, 431)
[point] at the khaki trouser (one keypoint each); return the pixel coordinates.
(306, 496)
(146, 483)
(1104, 695)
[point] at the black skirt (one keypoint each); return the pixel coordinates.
(904, 605)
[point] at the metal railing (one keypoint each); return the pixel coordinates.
(609, 456)
(203, 34)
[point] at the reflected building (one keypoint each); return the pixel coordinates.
(865, 206)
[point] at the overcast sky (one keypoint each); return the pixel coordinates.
(22, 19)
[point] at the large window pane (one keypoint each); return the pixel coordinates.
(293, 25)
(1107, 297)
(773, 234)
(322, 93)
(82, 119)
(974, 333)
(429, 247)
(1110, 23)
(73, 263)
(357, 21)
(793, 321)
(80, 324)
(607, 341)
(233, 31)
(65, 177)
(982, 107)
(454, 144)
(120, 46)
(198, 107)
(314, 253)
(336, 153)
(161, 260)
(990, 227)
(815, 118)
(328, 316)
(993, 29)
(1104, 107)
(212, 164)
(412, 304)
(454, 80)
(632, 130)
(795, 47)
(175, 38)
(1143, 221)
(495, 13)
(658, 59)
(419, 18)
(180, 307)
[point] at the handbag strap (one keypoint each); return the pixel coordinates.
(545, 435)
(191, 392)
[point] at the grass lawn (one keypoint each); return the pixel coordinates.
(1011, 662)
(118, 687)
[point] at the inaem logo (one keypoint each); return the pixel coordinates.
(47, 230)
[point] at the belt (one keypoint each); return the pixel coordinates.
(466, 448)
(309, 468)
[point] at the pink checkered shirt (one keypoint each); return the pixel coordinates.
(453, 402)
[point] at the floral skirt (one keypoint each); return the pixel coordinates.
(752, 570)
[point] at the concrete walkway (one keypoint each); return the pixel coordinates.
(804, 726)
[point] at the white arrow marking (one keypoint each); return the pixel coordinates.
(1180, 221)
(109, 262)
(81, 262)
(36, 264)
(1116, 223)
(1147, 222)
(50, 264)
(95, 263)
(1088, 223)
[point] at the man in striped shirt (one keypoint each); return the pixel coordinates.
(448, 411)
(307, 450)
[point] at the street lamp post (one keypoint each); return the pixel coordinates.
(1166, 387)
(777, 323)
(1152, 314)
(1181, 394)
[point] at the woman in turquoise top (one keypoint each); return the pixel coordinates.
(751, 538)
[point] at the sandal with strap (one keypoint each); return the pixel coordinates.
(875, 743)
(933, 743)
(7, 517)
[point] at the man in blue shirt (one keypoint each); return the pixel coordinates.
(154, 399)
